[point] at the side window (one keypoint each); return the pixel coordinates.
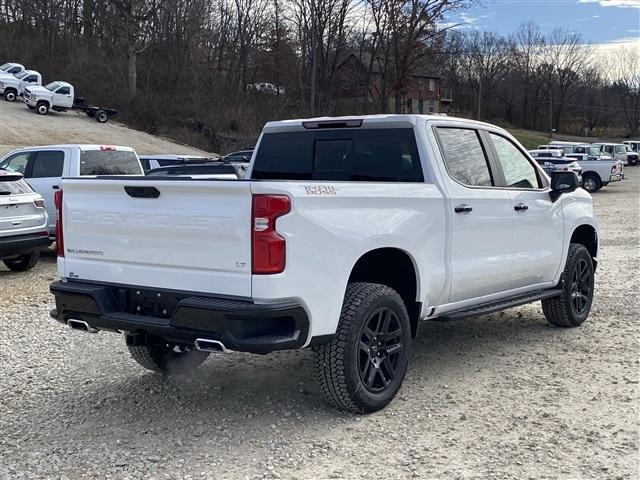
(63, 91)
(145, 164)
(518, 171)
(464, 156)
(16, 162)
(31, 79)
(47, 164)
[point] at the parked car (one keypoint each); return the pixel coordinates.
(150, 162)
(633, 157)
(346, 234)
(60, 97)
(10, 68)
(618, 151)
(265, 87)
(553, 161)
(242, 156)
(44, 166)
(23, 223)
(633, 144)
(221, 170)
(12, 86)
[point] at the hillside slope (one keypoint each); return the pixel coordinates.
(20, 127)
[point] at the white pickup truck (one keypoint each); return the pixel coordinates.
(13, 86)
(345, 234)
(57, 96)
(44, 166)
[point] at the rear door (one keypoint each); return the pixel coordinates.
(537, 244)
(481, 217)
(45, 169)
(187, 235)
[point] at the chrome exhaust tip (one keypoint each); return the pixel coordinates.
(211, 346)
(81, 326)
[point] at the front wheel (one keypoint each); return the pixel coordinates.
(42, 108)
(10, 95)
(167, 359)
(363, 367)
(572, 307)
(23, 262)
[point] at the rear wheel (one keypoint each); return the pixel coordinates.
(591, 183)
(42, 108)
(22, 262)
(10, 95)
(101, 116)
(167, 359)
(572, 307)
(363, 367)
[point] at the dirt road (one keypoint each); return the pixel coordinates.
(503, 396)
(21, 127)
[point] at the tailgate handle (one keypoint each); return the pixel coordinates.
(142, 192)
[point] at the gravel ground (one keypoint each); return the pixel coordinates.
(20, 126)
(503, 396)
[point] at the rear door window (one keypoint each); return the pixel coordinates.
(464, 156)
(374, 155)
(109, 162)
(47, 164)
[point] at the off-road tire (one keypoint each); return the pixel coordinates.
(337, 363)
(42, 108)
(163, 359)
(23, 262)
(561, 311)
(591, 182)
(10, 95)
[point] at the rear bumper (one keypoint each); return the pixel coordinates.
(183, 317)
(21, 244)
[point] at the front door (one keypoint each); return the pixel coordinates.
(481, 218)
(538, 235)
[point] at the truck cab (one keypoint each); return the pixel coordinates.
(13, 86)
(10, 68)
(57, 96)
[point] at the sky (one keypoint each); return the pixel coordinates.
(598, 21)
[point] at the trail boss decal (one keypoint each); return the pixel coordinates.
(320, 190)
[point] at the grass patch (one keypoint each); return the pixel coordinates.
(530, 139)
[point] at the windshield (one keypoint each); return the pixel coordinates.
(5, 66)
(594, 151)
(620, 149)
(52, 86)
(24, 73)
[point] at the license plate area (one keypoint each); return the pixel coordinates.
(148, 303)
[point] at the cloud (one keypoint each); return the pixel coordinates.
(614, 3)
(468, 19)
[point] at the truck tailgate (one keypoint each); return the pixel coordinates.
(188, 235)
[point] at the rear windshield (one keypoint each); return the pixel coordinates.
(375, 155)
(109, 162)
(14, 187)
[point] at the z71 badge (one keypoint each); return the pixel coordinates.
(320, 190)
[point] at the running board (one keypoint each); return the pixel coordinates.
(504, 304)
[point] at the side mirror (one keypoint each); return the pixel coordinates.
(563, 182)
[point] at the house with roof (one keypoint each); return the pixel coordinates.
(357, 72)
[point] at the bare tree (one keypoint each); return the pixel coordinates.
(566, 56)
(624, 69)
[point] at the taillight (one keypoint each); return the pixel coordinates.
(614, 168)
(268, 250)
(39, 203)
(57, 200)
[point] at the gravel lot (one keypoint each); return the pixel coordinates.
(504, 396)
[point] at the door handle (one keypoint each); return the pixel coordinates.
(464, 208)
(521, 207)
(56, 187)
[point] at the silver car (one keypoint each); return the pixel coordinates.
(23, 222)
